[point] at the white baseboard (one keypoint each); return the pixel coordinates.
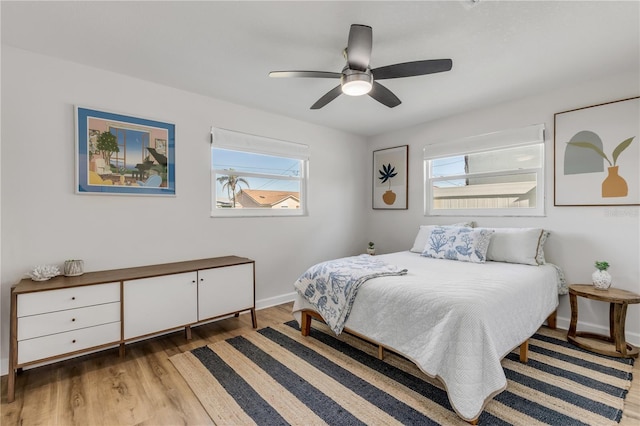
(274, 301)
(563, 323)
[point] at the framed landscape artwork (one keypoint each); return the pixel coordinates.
(390, 178)
(122, 155)
(597, 155)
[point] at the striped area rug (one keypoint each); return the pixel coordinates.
(276, 376)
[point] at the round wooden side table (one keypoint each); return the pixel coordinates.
(618, 301)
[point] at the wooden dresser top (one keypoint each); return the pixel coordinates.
(27, 285)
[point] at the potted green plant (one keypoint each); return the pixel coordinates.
(371, 249)
(601, 278)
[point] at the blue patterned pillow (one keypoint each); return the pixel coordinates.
(458, 243)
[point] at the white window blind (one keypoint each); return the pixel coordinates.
(237, 141)
(489, 141)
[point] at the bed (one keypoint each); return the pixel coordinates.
(454, 319)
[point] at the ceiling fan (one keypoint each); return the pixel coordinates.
(357, 78)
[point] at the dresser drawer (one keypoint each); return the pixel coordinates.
(67, 320)
(71, 341)
(68, 298)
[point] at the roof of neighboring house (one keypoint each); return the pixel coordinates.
(269, 198)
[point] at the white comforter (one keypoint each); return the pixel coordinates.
(455, 320)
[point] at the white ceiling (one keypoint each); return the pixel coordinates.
(501, 50)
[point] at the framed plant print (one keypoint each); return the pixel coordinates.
(118, 154)
(597, 155)
(390, 178)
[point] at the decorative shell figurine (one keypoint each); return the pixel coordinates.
(44, 272)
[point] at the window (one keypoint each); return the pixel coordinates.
(132, 144)
(257, 176)
(498, 174)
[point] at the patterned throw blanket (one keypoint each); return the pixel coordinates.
(331, 286)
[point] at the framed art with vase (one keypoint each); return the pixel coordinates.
(597, 155)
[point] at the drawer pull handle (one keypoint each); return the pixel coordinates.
(193, 281)
(73, 298)
(201, 279)
(73, 319)
(73, 341)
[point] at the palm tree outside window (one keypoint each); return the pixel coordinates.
(230, 183)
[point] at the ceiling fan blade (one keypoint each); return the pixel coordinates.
(305, 74)
(359, 47)
(411, 69)
(384, 95)
(328, 97)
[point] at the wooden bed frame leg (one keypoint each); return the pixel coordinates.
(552, 320)
(380, 352)
(524, 352)
(305, 326)
(524, 348)
(473, 422)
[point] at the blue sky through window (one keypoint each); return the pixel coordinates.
(258, 163)
(447, 167)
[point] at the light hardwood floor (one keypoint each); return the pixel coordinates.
(143, 388)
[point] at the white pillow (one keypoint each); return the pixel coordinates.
(425, 230)
(517, 245)
(458, 243)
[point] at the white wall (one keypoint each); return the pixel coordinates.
(45, 222)
(580, 235)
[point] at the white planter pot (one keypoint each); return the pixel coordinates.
(601, 280)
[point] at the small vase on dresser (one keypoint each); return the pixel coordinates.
(73, 268)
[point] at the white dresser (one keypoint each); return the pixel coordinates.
(68, 320)
(69, 316)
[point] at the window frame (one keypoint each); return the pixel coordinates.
(252, 144)
(496, 141)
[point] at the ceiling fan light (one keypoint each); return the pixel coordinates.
(356, 83)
